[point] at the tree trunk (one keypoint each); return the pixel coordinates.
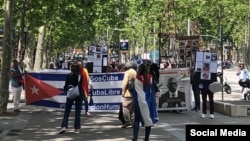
(29, 52)
(6, 57)
(28, 55)
(237, 60)
(39, 49)
(45, 56)
(21, 46)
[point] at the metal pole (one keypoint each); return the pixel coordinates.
(159, 41)
(221, 47)
(119, 51)
(188, 28)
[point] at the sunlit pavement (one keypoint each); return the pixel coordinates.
(42, 124)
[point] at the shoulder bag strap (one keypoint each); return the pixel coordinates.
(79, 78)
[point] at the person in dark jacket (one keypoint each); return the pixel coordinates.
(206, 92)
(196, 90)
(73, 79)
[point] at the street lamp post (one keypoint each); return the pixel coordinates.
(221, 47)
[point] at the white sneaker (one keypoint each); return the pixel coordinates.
(212, 116)
(203, 115)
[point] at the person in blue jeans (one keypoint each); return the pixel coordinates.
(196, 90)
(144, 103)
(72, 79)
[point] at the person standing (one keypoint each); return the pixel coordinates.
(113, 68)
(144, 102)
(129, 76)
(16, 74)
(73, 79)
(51, 65)
(196, 90)
(205, 92)
(86, 83)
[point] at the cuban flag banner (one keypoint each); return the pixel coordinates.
(45, 88)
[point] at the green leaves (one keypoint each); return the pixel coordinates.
(77, 22)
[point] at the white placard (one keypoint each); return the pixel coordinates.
(207, 57)
(98, 59)
(198, 66)
(105, 61)
(104, 50)
(97, 69)
(199, 56)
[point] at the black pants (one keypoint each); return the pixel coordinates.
(136, 127)
(120, 116)
(205, 93)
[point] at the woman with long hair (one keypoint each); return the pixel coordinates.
(154, 71)
(73, 80)
(144, 102)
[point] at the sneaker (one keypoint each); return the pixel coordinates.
(126, 125)
(203, 115)
(76, 131)
(88, 114)
(195, 109)
(211, 116)
(62, 131)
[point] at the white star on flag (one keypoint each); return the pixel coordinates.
(34, 90)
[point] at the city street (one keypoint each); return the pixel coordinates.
(232, 79)
(45, 44)
(42, 124)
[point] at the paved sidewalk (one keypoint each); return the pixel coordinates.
(42, 124)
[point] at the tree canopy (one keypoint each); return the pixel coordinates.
(80, 23)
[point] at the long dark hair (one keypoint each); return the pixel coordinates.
(154, 71)
(70, 63)
(143, 70)
(75, 68)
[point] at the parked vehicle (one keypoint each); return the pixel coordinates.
(226, 86)
(245, 84)
(225, 65)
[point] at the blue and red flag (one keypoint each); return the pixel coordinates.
(39, 86)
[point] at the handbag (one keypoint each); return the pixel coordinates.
(91, 101)
(215, 87)
(74, 91)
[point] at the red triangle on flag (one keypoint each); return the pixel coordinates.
(36, 89)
